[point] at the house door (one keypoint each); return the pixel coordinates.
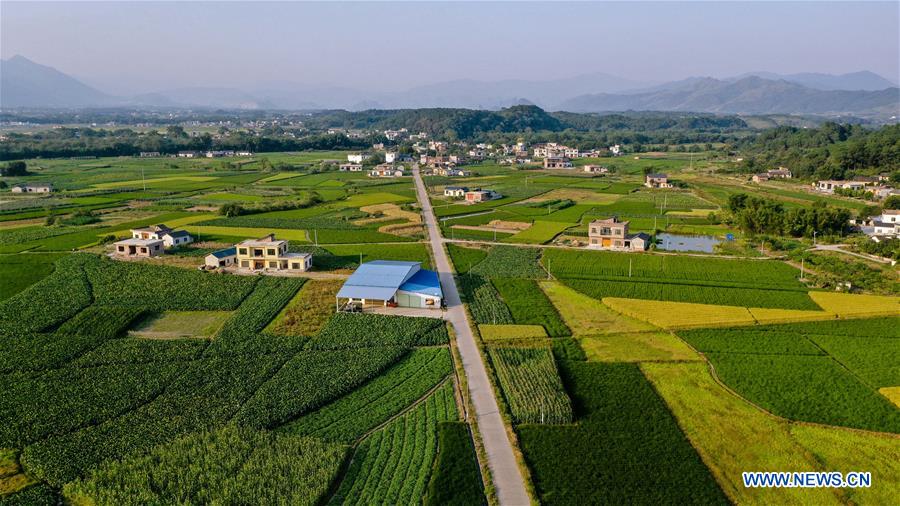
(605, 242)
(258, 264)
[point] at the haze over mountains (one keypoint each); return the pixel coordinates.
(24, 83)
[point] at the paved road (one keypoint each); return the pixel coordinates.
(507, 478)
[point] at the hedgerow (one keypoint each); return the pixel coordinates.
(353, 330)
(206, 395)
(511, 262)
(529, 305)
(625, 449)
(350, 417)
(456, 479)
(63, 400)
(697, 294)
(484, 302)
(393, 465)
(531, 385)
(51, 300)
(311, 379)
(230, 465)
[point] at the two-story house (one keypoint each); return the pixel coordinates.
(272, 254)
(613, 234)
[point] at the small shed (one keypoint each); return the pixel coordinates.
(222, 258)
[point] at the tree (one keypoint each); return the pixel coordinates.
(17, 168)
(892, 202)
(231, 210)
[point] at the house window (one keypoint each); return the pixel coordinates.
(273, 264)
(143, 250)
(242, 251)
(270, 252)
(245, 263)
(121, 248)
(295, 265)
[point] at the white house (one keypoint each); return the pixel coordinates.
(358, 157)
(390, 157)
(596, 169)
(615, 150)
(222, 258)
(350, 167)
(169, 237)
(32, 188)
(387, 170)
(455, 191)
(828, 186)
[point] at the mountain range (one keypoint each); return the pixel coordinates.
(24, 83)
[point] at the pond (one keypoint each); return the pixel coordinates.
(675, 242)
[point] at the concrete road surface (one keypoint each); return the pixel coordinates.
(507, 477)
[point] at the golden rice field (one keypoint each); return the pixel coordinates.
(151, 181)
(681, 315)
(892, 393)
(636, 347)
(495, 332)
(587, 316)
(850, 305)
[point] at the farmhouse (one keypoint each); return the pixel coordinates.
(479, 195)
(452, 172)
(389, 283)
(188, 154)
(32, 188)
(387, 170)
(613, 234)
(657, 181)
(168, 236)
(779, 173)
(358, 157)
(222, 258)
(270, 254)
(141, 248)
(350, 167)
(596, 169)
(557, 162)
(760, 178)
(615, 150)
(830, 185)
(455, 191)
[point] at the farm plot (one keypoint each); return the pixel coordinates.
(456, 478)
(501, 332)
(393, 464)
(540, 232)
(465, 258)
(18, 272)
(240, 332)
(586, 316)
(230, 464)
(483, 300)
(351, 330)
(626, 447)
(181, 324)
(636, 347)
(351, 417)
(529, 306)
(309, 310)
(511, 262)
(531, 385)
(348, 256)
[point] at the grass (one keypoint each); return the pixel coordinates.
(499, 332)
(732, 436)
(540, 232)
(586, 316)
(626, 447)
(636, 347)
(179, 324)
(309, 310)
(465, 258)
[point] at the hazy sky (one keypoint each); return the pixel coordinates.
(127, 47)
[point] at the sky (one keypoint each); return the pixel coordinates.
(138, 47)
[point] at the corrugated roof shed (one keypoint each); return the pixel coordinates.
(424, 282)
(378, 280)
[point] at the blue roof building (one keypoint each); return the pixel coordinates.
(387, 282)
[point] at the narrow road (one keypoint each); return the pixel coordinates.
(507, 477)
(840, 249)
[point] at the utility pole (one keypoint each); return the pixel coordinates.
(629, 267)
(143, 181)
(316, 234)
(801, 269)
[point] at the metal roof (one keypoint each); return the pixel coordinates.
(379, 279)
(224, 253)
(424, 282)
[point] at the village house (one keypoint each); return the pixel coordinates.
(219, 153)
(32, 188)
(616, 150)
(760, 178)
(244, 153)
(438, 146)
(883, 192)
(596, 169)
(270, 254)
(387, 170)
(222, 258)
(455, 191)
(390, 157)
(170, 238)
(350, 167)
(613, 234)
(140, 248)
(393, 135)
(657, 181)
(779, 173)
(479, 195)
(358, 157)
(387, 283)
(452, 172)
(149, 154)
(553, 162)
(188, 154)
(551, 149)
(830, 185)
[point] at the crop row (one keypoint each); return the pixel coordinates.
(531, 385)
(511, 262)
(63, 400)
(456, 478)
(627, 447)
(484, 302)
(350, 330)
(207, 394)
(50, 301)
(241, 331)
(529, 305)
(311, 379)
(140, 351)
(697, 294)
(101, 321)
(393, 464)
(158, 287)
(719, 271)
(230, 465)
(350, 417)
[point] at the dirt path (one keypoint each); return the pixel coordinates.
(505, 471)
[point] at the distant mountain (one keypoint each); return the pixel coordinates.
(854, 81)
(750, 95)
(226, 98)
(24, 83)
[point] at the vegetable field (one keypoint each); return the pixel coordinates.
(531, 385)
(529, 306)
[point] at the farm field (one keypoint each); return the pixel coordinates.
(117, 373)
